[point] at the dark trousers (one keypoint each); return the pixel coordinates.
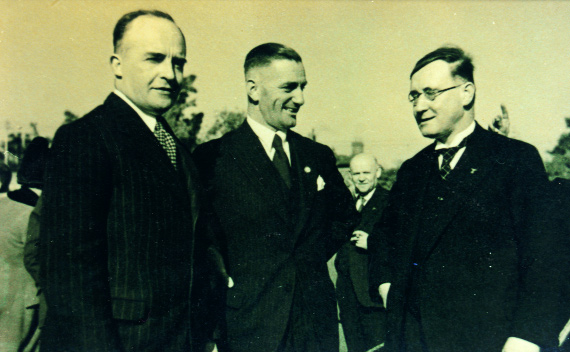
(363, 327)
(157, 334)
(300, 333)
(413, 335)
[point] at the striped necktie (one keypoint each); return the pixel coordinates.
(448, 154)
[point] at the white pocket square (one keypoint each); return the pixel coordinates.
(320, 183)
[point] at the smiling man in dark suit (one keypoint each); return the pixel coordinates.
(464, 248)
(284, 211)
(119, 207)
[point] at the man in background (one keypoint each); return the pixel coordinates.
(362, 318)
(119, 207)
(19, 300)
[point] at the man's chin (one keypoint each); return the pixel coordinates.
(427, 132)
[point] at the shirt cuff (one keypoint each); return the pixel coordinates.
(516, 344)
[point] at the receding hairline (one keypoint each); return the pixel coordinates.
(367, 157)
(120, 33)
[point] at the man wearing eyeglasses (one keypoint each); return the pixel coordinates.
(464, 247)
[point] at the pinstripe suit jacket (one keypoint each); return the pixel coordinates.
(116, 236)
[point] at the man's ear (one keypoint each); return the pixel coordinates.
(115, 62)
(378, 173)
(468, 93)
(252, 90)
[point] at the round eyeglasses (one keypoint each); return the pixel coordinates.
(429, 93)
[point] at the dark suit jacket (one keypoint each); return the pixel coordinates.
(116, 235)
(273, 240)
(352, 261)
(488, 266)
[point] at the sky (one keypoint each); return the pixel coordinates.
(54, 56)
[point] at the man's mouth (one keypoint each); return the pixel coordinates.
(422, 120)
(165, 90)
(292, 111)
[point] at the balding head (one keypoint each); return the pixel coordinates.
(365, 171)
(149, 61)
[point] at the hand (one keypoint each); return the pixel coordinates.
(360, 239)
(501, 123)
(514, 344)
(219, 267)
(383, 291)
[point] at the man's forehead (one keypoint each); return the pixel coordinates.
(363, 162)
(283, 70)
(432, 74)
(154, 35)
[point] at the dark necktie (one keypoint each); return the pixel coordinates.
(448, 154)
(165, 140)
(359, 203)
(281, 161)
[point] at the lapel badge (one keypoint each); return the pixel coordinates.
(307, 169)
(473, 171)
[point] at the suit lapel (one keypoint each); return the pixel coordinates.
(466, 178)
(415, 191)
(139, 140)
(249, 154)
(187, 170)
(306, 172)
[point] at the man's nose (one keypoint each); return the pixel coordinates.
(298, 96)
(167, 70)
(421, 104)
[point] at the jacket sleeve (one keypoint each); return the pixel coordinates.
(31, 260)
(382, 239)
(340, 207)
(73, 241)
(543, 259)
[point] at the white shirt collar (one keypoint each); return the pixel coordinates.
(458, 138)
(369, 195)
(147, 119)
(266, 135)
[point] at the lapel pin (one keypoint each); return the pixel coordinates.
(307, 169)
(473, 171)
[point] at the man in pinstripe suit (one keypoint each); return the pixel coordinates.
(119, 207)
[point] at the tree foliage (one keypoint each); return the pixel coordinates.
(184, 117)
(559, 166)
(226, 121)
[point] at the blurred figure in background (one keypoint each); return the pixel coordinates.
(19, 301)
(5, 176)
(363, 319)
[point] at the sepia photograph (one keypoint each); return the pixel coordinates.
(284, 175)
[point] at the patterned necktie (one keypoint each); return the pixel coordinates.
(448, 154)
(165, 140)
(281, 161)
